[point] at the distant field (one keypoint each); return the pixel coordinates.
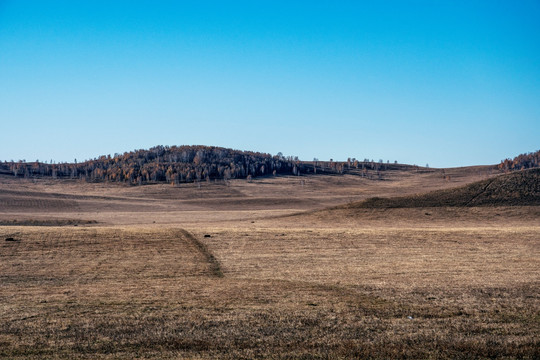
(30, 200)
(265, 270)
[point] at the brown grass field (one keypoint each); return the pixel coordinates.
(277, 268)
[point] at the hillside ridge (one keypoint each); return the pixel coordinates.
(517, 188)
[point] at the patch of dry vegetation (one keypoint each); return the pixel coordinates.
(286, 293)
(46, 222)
(521, 188)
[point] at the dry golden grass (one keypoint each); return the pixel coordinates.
(401, 258)
(286, 293)
(145, 282)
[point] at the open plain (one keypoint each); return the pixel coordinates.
(279, 267)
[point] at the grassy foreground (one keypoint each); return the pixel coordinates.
(269, 292)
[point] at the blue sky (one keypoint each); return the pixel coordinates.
(448, 83)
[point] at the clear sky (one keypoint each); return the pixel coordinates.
(448, 83)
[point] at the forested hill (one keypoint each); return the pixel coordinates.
(175, 164)
(181, 164)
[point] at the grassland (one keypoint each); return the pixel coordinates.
(265, 270)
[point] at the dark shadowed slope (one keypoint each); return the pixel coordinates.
(514, 189)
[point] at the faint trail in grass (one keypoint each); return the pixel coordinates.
(215, 267)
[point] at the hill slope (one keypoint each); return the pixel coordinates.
(518, 188)
(185, 164)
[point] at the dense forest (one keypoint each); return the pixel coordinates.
(180, 164)
(520, 162)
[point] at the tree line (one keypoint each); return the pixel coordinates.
(184, 164)
(175, 164)
(520, 162)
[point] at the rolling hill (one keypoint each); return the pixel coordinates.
(518, 188)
